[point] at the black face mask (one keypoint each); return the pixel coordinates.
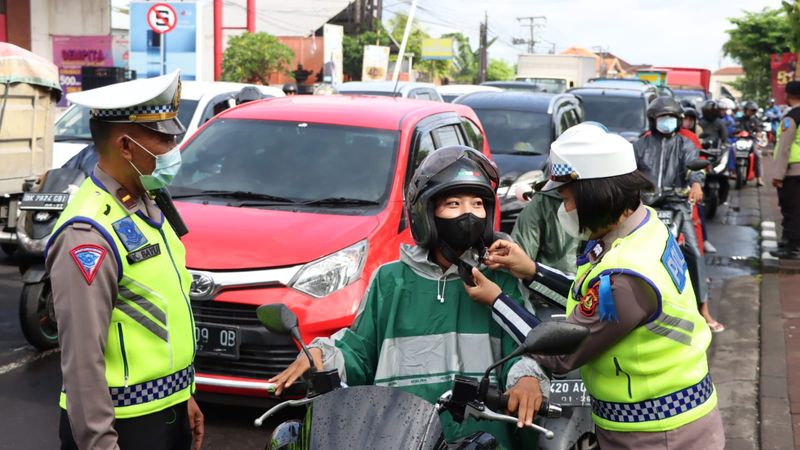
(462, 232)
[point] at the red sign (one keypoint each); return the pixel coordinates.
(783, 71)
(161, 18)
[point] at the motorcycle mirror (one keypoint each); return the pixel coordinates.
(698, 164)
(554, 338)
(277, 318)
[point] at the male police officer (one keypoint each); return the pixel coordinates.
(120, 284)
(787, 177)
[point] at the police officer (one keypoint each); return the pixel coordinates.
(787, 177)
(644, 363)
(120, 284)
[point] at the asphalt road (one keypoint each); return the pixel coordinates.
(30, 382)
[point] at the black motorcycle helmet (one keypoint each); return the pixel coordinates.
(749, 106)
(689, 111)
(455, 168)
(289, 88)
(710, 110)
(248, 94)
(663, 106)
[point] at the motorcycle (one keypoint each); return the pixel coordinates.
(745, 159)
(40, 208)
(716, 188)
(338, 416)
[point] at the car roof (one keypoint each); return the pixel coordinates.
(381, 86)
(194, 90)
(346, 110)
(451, 89)
(522, 84)
(514, 100)
(612, 91)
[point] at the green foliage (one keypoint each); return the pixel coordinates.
(353, 49)
(252, 57)
(499, 70)
(755, 37)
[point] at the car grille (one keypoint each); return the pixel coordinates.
(227, 313)
(255, 361)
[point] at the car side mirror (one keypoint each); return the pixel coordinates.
(698, 164)
(277, 318)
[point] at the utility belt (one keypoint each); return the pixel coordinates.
(660, 408)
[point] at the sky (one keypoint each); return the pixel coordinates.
(687, 33)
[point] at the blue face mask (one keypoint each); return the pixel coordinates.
(739, 114)
(666, 124)
(167, 166)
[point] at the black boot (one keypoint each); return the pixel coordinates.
(789, 251)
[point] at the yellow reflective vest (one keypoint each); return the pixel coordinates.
(656, 378)
(794, 151)
(151, 343)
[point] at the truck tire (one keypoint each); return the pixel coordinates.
(36, 315)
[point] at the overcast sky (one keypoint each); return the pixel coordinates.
(669, 33)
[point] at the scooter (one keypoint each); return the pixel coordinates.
(40, 208)
(381, 417)
(716, 188)
(745, 159)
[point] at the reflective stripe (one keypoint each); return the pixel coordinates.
(660, 408)
(669, 333)
(144, 303)
(152, 390)
(420, 357)
(677, 322)
(142, 320)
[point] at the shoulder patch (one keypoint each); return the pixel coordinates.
(588, 304)
(88, 257)
(673, 261)
(787, 122)
(130, 235)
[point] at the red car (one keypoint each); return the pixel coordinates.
(297, 201)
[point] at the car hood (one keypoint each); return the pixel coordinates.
(235, 238)
(518, 164)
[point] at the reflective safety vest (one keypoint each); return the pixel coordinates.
(150, 346)
(656, 378)
(794, 150)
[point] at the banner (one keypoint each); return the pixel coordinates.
(181, 42)
(332, 67)
(376, 63)
(70, 53)
(783, 71)
(440, 49)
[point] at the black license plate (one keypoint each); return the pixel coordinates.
(44, 201)
(217, 340)
(569, 393)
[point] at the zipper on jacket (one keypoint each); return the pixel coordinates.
(122, 350)
(619, 369)
(185, 299)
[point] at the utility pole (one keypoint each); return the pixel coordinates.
(484, 63)
(531, 25)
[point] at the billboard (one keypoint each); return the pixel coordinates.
(180, 43)
(70, 53)
(376, 63)
(440, 49)
(783, 68)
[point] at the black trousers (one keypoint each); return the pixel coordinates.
(789, 200)
(164, 430)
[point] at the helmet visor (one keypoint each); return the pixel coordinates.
(441, 159)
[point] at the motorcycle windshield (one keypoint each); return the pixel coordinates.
(363, 417)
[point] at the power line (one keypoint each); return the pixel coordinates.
(531, 26)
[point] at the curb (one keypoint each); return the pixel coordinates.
(769, 242)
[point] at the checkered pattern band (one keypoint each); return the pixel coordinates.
(561, 170)
(152, 390)
(656, 409)
(125, 113)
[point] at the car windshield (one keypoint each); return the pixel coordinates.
(73, 125)
(618, 114)
(271, 163)
(185, 113)
(551, 85)
(516, 132)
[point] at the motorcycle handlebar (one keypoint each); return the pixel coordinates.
(498, 401)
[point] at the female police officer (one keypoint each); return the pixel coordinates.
(644, 364)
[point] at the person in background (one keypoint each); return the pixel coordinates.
(688, 128)
(787, 177)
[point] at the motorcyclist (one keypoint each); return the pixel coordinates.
(290, 89)
(726, 113)
(773, 113)
(750, 123)
(711, 124)
(416, 327)
(688, 130)
(663, 155)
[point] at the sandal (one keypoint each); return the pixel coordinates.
(716, 327)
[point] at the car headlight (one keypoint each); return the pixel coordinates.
(331, 273)
(522, 184)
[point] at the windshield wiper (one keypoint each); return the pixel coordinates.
(341, 201)
(243, 195)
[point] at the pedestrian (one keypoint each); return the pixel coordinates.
(787, 176)
(120, 284)
(417, 328)
(644, 363)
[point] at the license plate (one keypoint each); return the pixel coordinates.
(217, 340)
(742, 153)
(569, 393)
(43, 201)
(665, 215)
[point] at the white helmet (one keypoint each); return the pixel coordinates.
(727, 103)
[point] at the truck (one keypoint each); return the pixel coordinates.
(556, 73)
(656, 77)
(29, 90)
(689, 84)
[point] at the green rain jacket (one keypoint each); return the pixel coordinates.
(538, 232)
(404, 337)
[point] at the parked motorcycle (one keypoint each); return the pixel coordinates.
(388, 418)
(744, 146)
(716, 188)
(40, 208)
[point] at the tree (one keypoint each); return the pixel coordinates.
(253, 57)
(353, 50)
(755, 37)
(499, 70)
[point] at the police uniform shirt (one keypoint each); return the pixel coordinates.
(788, 131)
(83, 308)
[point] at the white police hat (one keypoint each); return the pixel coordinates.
(588, 151)
(150, 102)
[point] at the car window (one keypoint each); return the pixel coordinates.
(474, 136)
(421, 94)
(73, 124)
(446, 136)
(216, 106)
(299, 161)
(424, 148)
(516, 132)
(618, 114)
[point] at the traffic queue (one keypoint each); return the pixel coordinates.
(405, 246)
